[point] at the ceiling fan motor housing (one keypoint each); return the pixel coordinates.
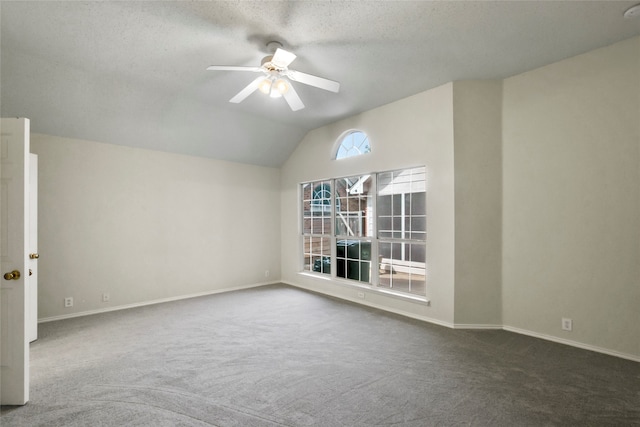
(270, 66)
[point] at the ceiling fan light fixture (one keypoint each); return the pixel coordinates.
(275, 93)
(265, 86)
(281, 85)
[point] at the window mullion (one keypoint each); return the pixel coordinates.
(375, 259)
(333, 240)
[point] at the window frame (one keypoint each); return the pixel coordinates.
(372, 235)
(409, 235)
(327, 230)
(366, 234)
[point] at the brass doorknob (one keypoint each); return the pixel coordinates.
(14, 275)
(34, 256)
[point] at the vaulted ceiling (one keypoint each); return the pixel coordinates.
(133, 73)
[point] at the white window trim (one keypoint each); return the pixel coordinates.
(375, 240)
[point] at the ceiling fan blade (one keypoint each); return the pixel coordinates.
(232, 68)
(315, 81)
(282, 58)
(251, 87)
(292, 98)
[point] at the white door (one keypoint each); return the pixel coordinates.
(14, 239)
(33, 247)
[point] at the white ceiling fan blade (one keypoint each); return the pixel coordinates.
(315, 81)
(232, 68)
(292, 98)
(282, 58)
(251, 87)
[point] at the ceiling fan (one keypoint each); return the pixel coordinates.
(276, 76)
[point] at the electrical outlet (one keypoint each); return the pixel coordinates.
(105, 297)
(361, 295)
(567, 324)
(68, 302)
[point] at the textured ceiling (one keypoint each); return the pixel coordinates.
(133, 73)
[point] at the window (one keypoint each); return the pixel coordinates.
(378, 219)
(316, 226)
(352, 144)
(402, 230)
(354, 227)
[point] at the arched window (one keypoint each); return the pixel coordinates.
(354, 143)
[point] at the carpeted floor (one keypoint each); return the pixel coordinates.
(280, 356)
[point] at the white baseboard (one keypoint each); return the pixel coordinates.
(373, 305)
(476, 326)
(156, 301)
(480, 326)
(573, 343)
(400, 312)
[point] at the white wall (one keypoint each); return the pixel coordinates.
(477, 112)
(414, 131)
(571, 218)
(145, 225)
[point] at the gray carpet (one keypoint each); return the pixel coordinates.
(279, 356)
